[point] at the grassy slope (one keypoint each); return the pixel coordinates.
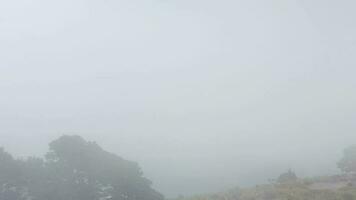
(300, 190)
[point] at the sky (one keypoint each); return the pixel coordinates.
(205, 95)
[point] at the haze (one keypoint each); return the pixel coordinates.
(204, 95)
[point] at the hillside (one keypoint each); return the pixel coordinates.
(338, 187)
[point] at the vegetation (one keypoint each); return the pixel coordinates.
(289, 187)
(288, 177)
(294, 191)
(73, 169)
(348, 162)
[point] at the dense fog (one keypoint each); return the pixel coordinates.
(204, 95)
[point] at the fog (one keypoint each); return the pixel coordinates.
(204, 95)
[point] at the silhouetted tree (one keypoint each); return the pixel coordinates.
(101, 174)
(348, 162)
(73, 169)
(287, 177)
(12, 182)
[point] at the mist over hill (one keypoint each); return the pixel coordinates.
(204, 95)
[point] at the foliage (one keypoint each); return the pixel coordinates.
(73, 169)
(287, 177)
(348, 162)
(300, 189)
(295, 191)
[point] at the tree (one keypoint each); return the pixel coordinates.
(287, 177)
(348, 162)
(12, 182)
(73, 169)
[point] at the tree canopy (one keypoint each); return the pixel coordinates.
(348, 162)
(287, 177)
(73, 169)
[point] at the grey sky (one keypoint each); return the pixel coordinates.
(205, 95)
